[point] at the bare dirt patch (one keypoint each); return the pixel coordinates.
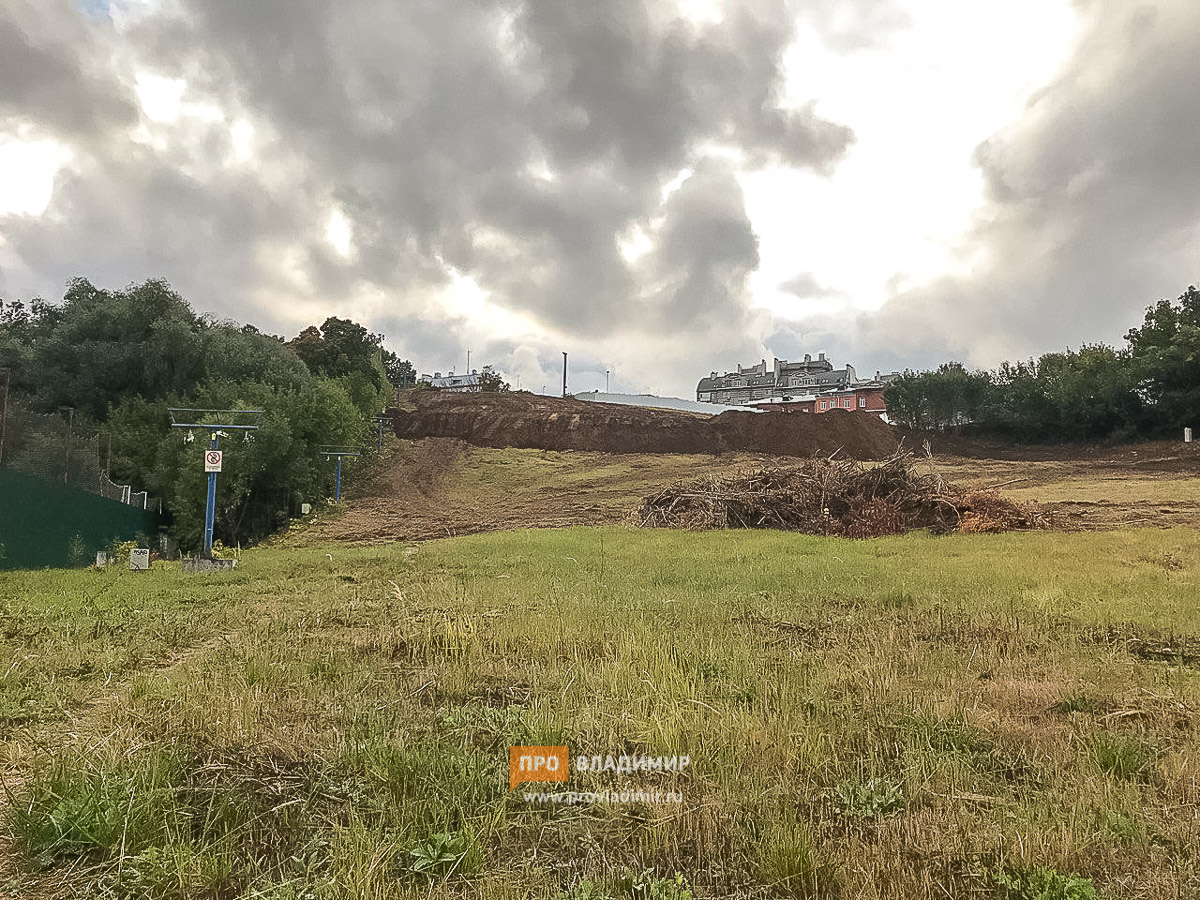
(441, 487)
(1150, 484)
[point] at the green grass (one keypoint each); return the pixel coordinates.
(898, 717)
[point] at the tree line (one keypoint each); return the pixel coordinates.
(1148, 388)
(118, 360)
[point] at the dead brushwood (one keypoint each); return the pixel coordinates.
(843, 497)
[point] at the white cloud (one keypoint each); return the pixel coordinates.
(340, 233)
(891, 216)
(28, 168)
(161, 98)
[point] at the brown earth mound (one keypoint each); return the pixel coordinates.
(836, 497)
(549, 423)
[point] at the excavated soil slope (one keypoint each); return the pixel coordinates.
(550, 423)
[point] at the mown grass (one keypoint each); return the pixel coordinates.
(1118, 488)
(911, 716)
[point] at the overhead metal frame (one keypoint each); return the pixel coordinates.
(339, 452)
(232, 420)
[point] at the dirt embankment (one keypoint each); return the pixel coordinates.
(550, 423)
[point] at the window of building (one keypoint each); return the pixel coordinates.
(823, 406)
(862, 401)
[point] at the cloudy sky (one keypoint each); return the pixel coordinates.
(659, 188)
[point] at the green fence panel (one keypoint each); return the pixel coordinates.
(47, 524)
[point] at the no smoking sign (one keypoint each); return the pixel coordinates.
(212, 460)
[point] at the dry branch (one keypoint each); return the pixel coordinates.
(827, 495)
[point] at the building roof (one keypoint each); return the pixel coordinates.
(832, 376)
(718, 383)
(448, 381)
(655, 402)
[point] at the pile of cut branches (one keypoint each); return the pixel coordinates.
(834, 496)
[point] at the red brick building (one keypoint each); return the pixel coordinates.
(865, 397)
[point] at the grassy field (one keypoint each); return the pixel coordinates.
(979, 715)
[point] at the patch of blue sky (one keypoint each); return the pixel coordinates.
(94, 9)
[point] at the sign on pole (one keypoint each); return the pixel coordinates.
(212, 460)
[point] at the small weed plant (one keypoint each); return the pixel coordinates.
(869, 799)
(442, 854)
(1044, 884)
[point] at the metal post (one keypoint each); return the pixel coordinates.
(246, 421)
(564, 373)
(70, 439)
(4, 378)
(379, 440)
(210, 508)
(338, 496)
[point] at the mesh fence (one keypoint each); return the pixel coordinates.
(63, 449)
(112, 490)
(54, 496)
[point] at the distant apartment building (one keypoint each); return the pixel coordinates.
(810, 386)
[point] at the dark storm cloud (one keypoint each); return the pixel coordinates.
(517, 143)
(1093, 205)
(706, 249)
(53, 76)
(136, 216)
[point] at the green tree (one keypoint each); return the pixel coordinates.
(1165, 354)
(906, 403)
(346, 351)
(100, 346)
(123, 357)
(18, 324)
(1092, 392)
(233, 352)
(492, 382)
(267, 477)
(949, 397)
(400, 372)
(955, 395)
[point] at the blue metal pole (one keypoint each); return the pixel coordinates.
(210, 509)
(379, 443)
(339, 481)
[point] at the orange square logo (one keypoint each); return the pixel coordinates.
(536, 764)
